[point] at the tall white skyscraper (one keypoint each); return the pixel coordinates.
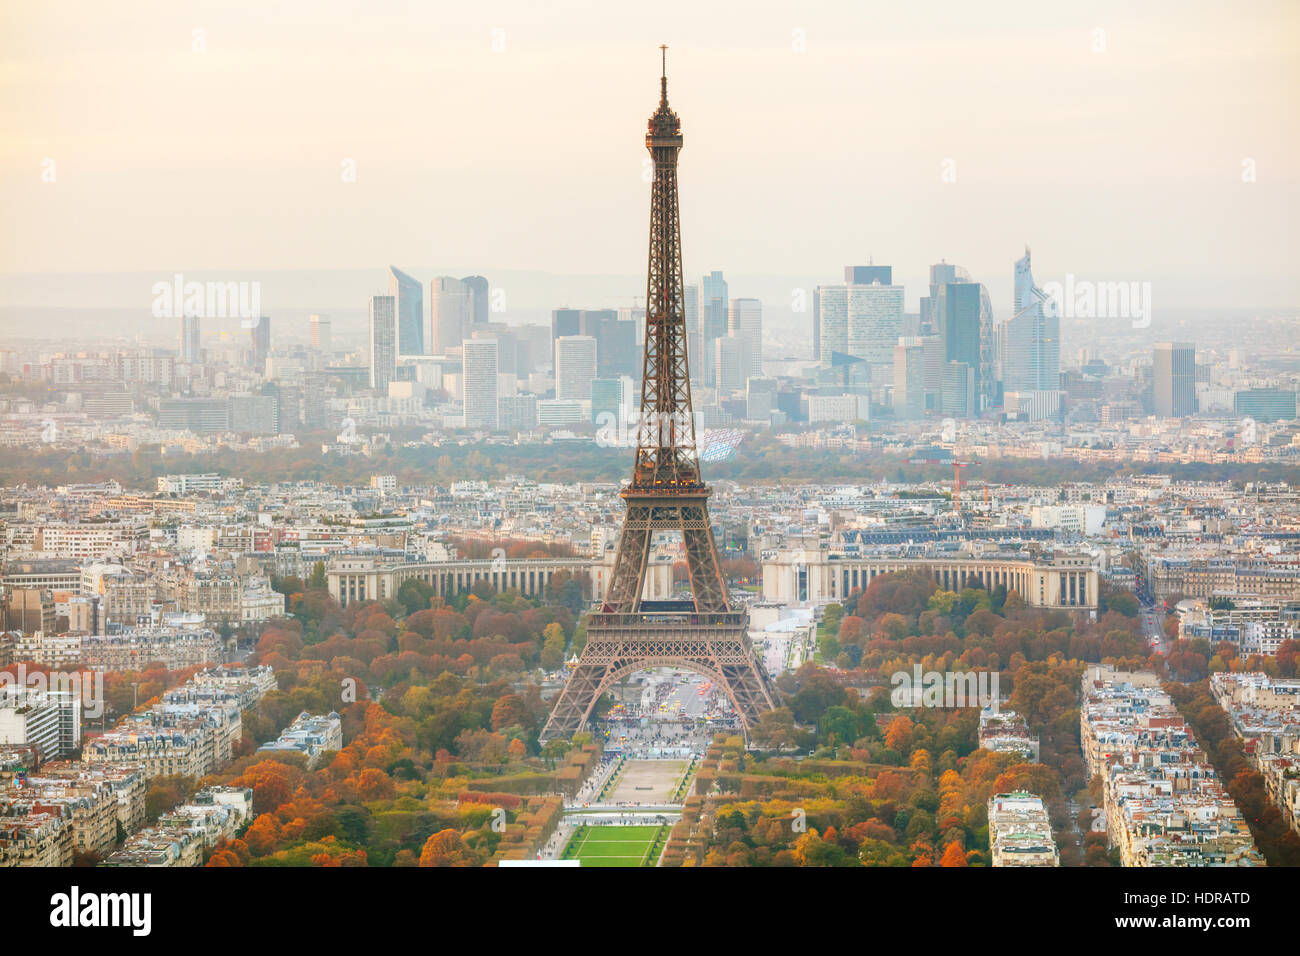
(191, 350)
(1173, 379)
(383, 341)
(832, 304)
(575, 366)
(320, 332)
(875, 321)
(694, 337)
(745, 322)
(729, 359)
(451, 313)
(863, 317)
(691, 306)
(479, 388)
(909, 378)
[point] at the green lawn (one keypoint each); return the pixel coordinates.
(616, 846)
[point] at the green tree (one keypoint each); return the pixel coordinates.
(552, 646)
(414, 595)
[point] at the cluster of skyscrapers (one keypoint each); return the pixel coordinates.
(458, 307)
(724, 336)
(950, 358)
(595, 354)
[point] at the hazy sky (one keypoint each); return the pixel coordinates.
(510, 135)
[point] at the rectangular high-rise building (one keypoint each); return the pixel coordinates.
(480, 302)
(869, 275)
(713, 307)
(691, 307)
(909, 379)
(575, 366)
(383, 341)
(49, 720)
(410, 311)
(612, 398)
(451, 312)
(1265, 404)
(958, 390)
(863, 320)
(517, 412)
(260, 338)
(254, 414)
(479, 392)
(817, 324)
(832, 305)
(190, 346)
(959, 308)
(319, 326)
(941, 273)
(694, 335)
(203, 416)
(617, 351)
(875, 321)
(745, 322)
(1173, 383)
(730, 358)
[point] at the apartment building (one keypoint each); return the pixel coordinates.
(159, 847)
(1005, 731)
(174, 648)
(49, 720)
(35, 838)
(125, 781)
(309, 735)
(91, 540)
(87, 805)
(1265, 714)
(55, 651)
(1252, 625)
(1164, 804)
(1223, 575)
(30, 610)
(1020, 833)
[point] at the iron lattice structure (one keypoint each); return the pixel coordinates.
(705, 634)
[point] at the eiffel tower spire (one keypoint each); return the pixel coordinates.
(667, 494)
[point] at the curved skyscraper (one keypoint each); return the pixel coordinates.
(1031, 338)
(410, 311)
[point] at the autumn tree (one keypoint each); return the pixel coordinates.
(447, 848)
(953, 855)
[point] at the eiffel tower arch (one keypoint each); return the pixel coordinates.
(706, 634)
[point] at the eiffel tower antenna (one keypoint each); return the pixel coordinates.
(628, 632)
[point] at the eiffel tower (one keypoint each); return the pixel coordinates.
(626, 634)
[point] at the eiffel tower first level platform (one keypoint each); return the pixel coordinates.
(667, 497)
(663, 634)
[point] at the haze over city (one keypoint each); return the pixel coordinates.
(197, 138)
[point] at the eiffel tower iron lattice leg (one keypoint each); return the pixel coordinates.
(706, 634)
